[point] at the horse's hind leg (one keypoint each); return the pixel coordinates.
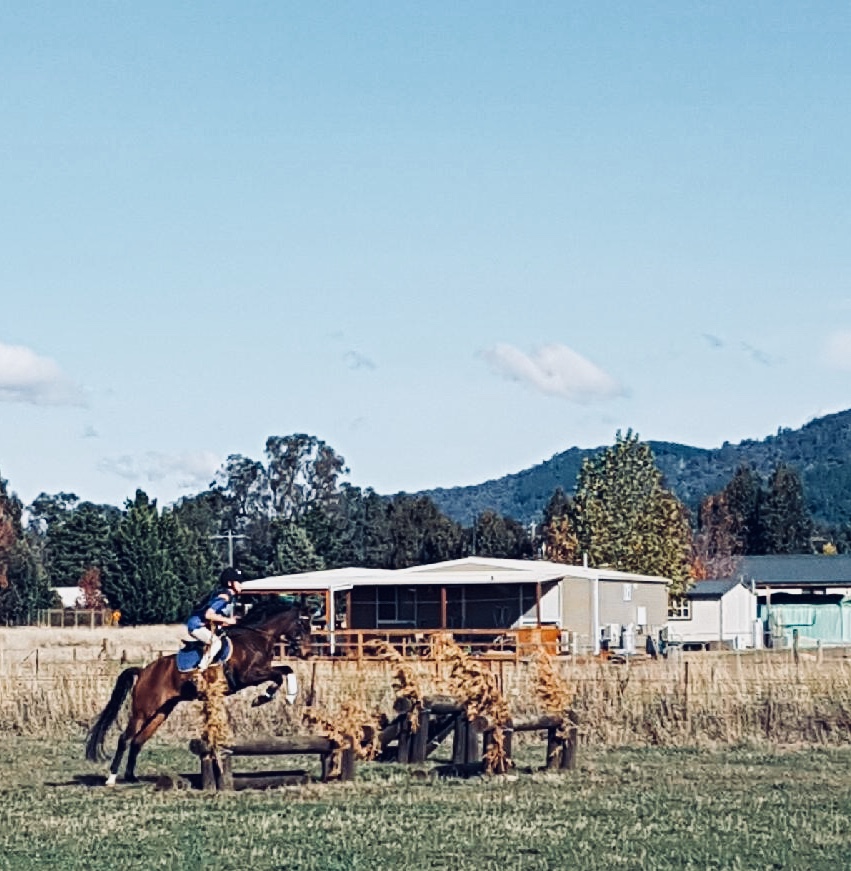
(146, 730)
(116, 760)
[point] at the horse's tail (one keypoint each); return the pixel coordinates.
(94, 741)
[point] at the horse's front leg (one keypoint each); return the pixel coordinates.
(275, 679)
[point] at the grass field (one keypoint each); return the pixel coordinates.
(623, 809)
(710, 762)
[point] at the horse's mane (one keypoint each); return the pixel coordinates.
(265, 608)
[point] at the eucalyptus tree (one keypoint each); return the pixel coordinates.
(501, 537)
(420, 533)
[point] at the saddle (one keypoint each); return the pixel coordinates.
(190, 654)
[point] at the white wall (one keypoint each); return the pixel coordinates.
(729, 619)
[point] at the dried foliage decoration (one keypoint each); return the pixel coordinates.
(476, 688)
(406, 682)
(352, 726)
(213, 687)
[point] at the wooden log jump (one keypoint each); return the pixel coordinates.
(217, 770)
(561, 740)
(441, 716)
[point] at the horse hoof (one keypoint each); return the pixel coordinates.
(261, 700)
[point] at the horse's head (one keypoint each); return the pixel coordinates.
(277, 619)
(297, 635)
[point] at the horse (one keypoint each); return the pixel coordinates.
(157, 688)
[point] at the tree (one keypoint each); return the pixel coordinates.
(560, 540)
(77, 540)
(23, 583)
(294, 551)
(786, 526)
(743, 497)
(717, 541)
(501, 537)
(561, 543)
(420, 534)
(303, 471)
(160, 568)
(625, 518)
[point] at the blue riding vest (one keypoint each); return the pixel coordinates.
(220, 601)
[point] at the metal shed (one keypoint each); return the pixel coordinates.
(476, 596)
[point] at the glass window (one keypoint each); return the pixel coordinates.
(679, 608)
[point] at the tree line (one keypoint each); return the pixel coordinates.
(292, 512)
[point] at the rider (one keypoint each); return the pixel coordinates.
(214, 611)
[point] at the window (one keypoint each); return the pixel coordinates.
(396, 605)
(679, 608)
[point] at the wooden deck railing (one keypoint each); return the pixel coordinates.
(492, 643)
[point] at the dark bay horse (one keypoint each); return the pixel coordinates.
(159, 687)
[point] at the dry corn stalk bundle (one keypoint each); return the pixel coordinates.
(216, 731)
(553, 691)
(352, 726)
(476, 688)
(550, 687)
(406, 682)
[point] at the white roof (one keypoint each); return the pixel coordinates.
(469, 570)
(69, 595)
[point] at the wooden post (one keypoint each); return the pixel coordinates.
(208, 774)
(347, 763)
(443, 607)
(403, 752)
(568, 750)
(472, 751)
(555, 748)
(226, 778)
(507, 733)
(459, 740)
(419, 748)
(538, 603)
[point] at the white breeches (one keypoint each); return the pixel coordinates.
(214, 642)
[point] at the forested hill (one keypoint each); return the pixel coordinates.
(820, 451)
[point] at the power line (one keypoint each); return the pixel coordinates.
(230, 536)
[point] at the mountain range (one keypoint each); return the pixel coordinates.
(820, 451)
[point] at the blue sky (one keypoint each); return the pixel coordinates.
(449, 239)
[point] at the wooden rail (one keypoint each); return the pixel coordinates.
(217, 770)
(500, 644)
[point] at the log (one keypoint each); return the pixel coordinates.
(268, 747)
(440, 705)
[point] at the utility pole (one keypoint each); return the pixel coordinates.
(230, 537)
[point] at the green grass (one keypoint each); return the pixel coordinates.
(629, 809)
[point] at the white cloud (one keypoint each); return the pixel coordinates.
(190, 470)
(837, 350)
(356, 360)
(554, 370)
(27, 377)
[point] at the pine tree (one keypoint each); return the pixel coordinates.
(23, 584)
(786, 526)
(743, 496)
(160, 567)
(294, 550)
